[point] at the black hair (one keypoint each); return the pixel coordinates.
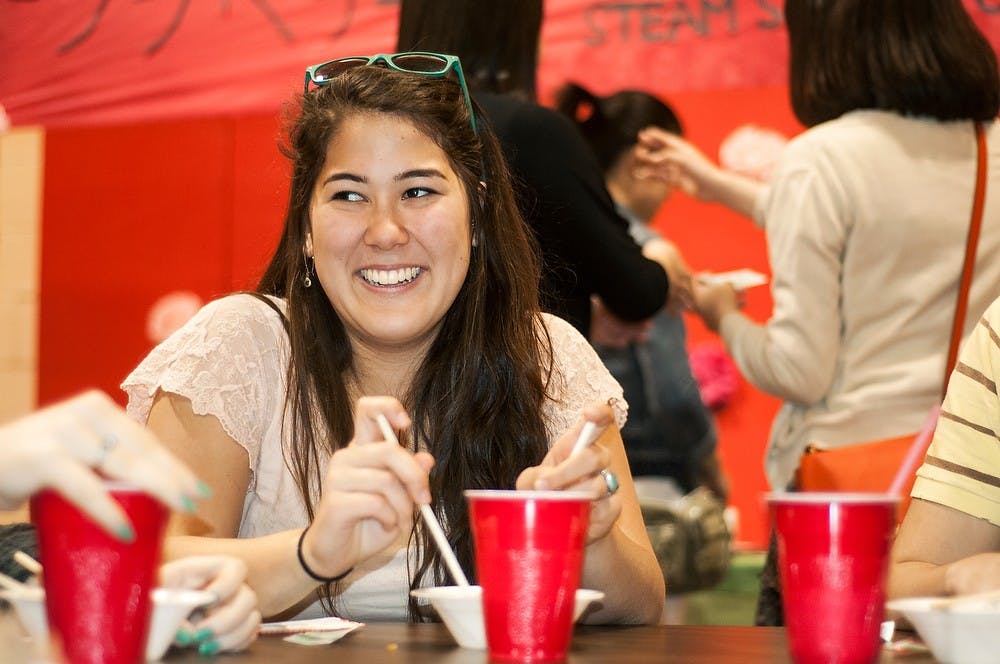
(496, 40)
(913, 57)
(611, 124)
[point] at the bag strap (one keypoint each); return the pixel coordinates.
(970, 255)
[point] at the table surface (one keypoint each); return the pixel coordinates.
(378, 643)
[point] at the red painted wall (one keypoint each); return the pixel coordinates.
(129, 214)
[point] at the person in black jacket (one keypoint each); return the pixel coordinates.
(585, 244)
(670, 432)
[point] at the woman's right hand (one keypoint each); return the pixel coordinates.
(371, 489)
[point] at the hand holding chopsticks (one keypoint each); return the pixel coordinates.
(588, 434)
(429, 519)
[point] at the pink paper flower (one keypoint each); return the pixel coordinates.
(169, 313)
(752, 151)
(716, 374)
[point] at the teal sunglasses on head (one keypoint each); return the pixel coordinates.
(435, 65)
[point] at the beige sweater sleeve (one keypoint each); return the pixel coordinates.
(794, 354)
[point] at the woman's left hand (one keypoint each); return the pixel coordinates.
(580, 472)
(231, 622)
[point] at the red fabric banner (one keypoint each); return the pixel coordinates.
(87, 62)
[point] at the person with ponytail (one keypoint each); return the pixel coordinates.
(670, 436)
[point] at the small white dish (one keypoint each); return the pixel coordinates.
(171, 606)
(461, 609)
(740, 279)
(960, 634)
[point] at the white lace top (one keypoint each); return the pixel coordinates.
(230, 360)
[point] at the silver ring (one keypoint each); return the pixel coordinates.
(108, 444)
(610, 481)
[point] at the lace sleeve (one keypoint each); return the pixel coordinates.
(229, 360)
(579, 378)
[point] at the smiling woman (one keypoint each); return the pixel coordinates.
(405, 284)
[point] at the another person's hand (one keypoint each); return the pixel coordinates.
(371, 489)
(231, 622)
(713, 301)
(680, 164)
(581, 472)
(976, 574)
(609, 331)
(669, 257)
(669, 157)
(65, 446)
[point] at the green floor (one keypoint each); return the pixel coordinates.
(734, 600)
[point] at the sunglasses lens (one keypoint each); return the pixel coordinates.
(420, 63)
(332, 69)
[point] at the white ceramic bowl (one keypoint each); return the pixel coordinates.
(461, 609)
(962, 634)
(170, 607)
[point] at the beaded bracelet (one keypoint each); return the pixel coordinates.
(312, 574)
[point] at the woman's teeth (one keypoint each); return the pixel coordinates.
(390, 277)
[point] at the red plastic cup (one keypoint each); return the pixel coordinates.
(529, 557)
(97, 588)
(833, 558)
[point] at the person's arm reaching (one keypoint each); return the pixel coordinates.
(793, 356)
(669, 157)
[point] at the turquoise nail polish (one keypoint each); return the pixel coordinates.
(203, 635)
(125, 533)
(208, 648)
(204, 490)
(184, 637)
(187, 503)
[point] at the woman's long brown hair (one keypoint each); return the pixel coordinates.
(476, 401)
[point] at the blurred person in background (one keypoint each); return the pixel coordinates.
(670, 432)
(866, 218)
(670, 435)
